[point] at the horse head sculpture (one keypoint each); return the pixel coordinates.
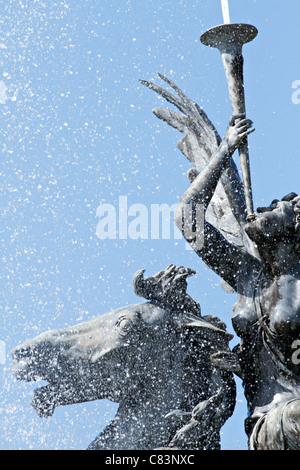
(152, 358)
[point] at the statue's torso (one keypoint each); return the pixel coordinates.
(277, 300)
(268, 321)
(280, 302)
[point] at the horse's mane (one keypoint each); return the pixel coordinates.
(167, 289)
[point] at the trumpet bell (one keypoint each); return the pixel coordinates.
(230, 35)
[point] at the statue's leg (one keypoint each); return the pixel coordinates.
(279, 429)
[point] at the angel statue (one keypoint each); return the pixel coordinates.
(258, 257)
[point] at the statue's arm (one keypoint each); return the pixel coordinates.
(234, 265)
(223, 257)
(203, 187)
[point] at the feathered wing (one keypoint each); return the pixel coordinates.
(227, 211)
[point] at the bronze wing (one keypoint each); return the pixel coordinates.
(227, 211)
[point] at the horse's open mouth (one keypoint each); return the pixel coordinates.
(32, 362)
(26, 367)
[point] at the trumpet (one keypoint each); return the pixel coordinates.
(229, 39)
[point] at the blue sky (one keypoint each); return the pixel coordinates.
(77, 131)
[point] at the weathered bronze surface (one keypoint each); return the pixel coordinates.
(258, 257)
(170, 369)
(152, 358)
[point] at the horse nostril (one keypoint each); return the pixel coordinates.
(21, 353)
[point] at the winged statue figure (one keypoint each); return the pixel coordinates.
(227, 209)
(257, 255)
